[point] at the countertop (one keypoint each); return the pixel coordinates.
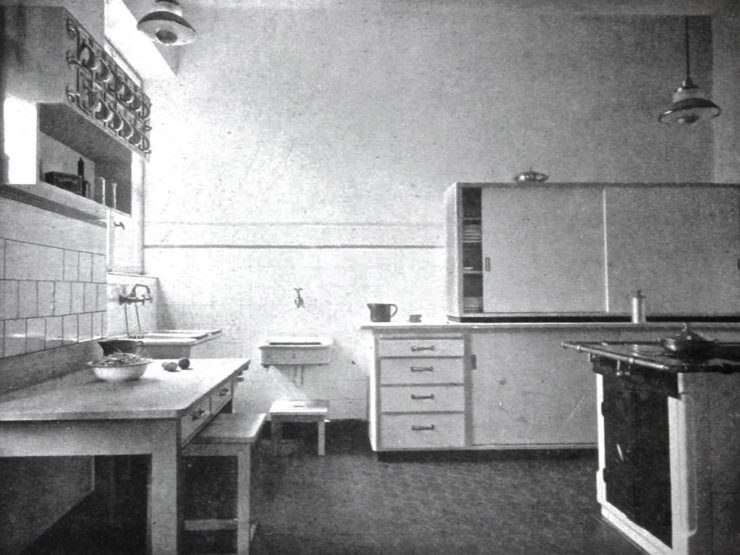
(81, 396)
(441, 326)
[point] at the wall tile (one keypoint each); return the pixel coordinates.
(15, 337)
(97, 324)
(90, 297)
(102, 296)
(99, 273)
(45, 291)
(85, 274)
(84, 327)
(35, 334)
(27, 299)
(62, 298)
(71, 265)
(77, 298)
(53, 332)
(8, 299)
(31, 261)
(69, 329)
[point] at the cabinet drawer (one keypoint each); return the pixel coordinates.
(423, 347)
(422, 431)
(422, 398)
(195, 418)
(421, 370)
(221, 396)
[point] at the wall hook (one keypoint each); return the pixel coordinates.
(299, 302)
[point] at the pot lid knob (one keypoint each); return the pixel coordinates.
(530, 176)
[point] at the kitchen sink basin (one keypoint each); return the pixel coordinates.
(173, 343)
(178, 334)
(296, 351)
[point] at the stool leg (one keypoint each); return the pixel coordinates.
(276, 429)
(242, 501)
(322, 437)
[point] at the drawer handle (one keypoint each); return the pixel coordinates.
(197, 415)
(415, 428)
(416, 348)
(422, 368)
(224, 392)
(421, 397)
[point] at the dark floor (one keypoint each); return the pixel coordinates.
(349, 502)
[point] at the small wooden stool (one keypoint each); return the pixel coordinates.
(297, 411)
(229, 435)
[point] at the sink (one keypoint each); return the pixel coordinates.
(173, 343)
(177, 334)
(296, 351)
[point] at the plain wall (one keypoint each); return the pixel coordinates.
(310, 148)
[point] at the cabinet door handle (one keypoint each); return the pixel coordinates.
(416, 397)
(198, 414)
(416, 348)
(487, 264)
(415, 428)
(422, 368)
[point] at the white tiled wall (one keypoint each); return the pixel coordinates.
(52, 279)
(49, 297)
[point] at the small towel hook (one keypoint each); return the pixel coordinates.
(299, 302)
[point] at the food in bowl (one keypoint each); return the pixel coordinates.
(120, 367)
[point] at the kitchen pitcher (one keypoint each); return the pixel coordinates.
(382, 312)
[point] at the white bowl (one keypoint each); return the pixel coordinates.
(120, 372)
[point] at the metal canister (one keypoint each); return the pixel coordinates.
(637, 302)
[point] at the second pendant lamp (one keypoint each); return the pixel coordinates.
(689, 105)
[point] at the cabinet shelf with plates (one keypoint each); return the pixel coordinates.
(67, 100)
(579, 250)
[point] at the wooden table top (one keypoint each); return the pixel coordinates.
(82, 396)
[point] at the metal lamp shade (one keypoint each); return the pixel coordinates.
(166, 25)
(689, 106)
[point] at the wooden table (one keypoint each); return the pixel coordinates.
(79, 415)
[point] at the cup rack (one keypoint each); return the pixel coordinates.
(105, 94)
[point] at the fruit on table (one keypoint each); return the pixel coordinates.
(170, 366)
(184, 363)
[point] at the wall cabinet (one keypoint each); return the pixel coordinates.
(679, 245)
(583, 249)
(67, 100)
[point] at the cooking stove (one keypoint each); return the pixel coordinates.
(668, 445)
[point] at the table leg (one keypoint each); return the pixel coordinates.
(163, 532)
(244, 494)
(322, 437)
(276, 433)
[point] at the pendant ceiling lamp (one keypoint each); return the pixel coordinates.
(166, 25)
(689, 105)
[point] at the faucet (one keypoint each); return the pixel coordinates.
(132, 297)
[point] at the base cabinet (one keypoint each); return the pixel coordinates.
(418, 392)
(528, 392)
(501, 388)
